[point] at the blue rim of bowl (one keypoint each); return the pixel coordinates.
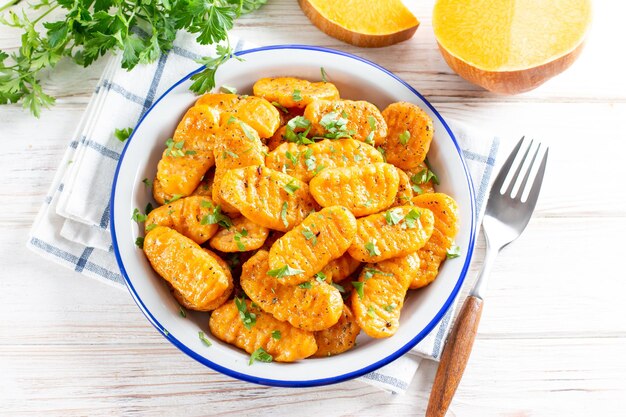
(321, 381)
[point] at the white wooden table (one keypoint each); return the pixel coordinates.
(553, 336)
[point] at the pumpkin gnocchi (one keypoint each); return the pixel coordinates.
(325, 234)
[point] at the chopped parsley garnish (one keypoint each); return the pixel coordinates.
(280, 107)
(284, 271)
(411, 217)
(318, 169)
(260, 355)
(358, 286)
(369, 273)
(298, 123)
(453, 252)
(390, 307)
(382, 152)
(283, 214)
(204, 339)
(248, 131)
(423, 177)
(292, 158)
(238, 236)
(174, 149)
(336, 125)
(309, 159)
(435, 178)
(372, 122)
(371, 248)
(370, 311)
(228, 89)
(174, 198)
(404, 137)
(226, 153)
(305, 285)
(247, 318)
(215, 215)
(393, 216)
(151, 227)
(309, 235)
(297, 95)
(147, 182)
(339, 287)
(149, 208)
(320, 277)
(370, 137)
(182, 312)
(123, 134)
(138, 216)
(291, 187)
(276, 335)
(324, 75)
(139, 242)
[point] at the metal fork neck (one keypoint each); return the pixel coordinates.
(480, 287)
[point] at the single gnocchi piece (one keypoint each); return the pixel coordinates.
(339, 338)
(307, 248)
(305, 161)
(379, 295)
(362, 189)
(335, 119)
(256, 112)
(159, 195)
(267, 197)
(446, 226)
(395, 232)
(410, 132)
(219, 300)
(238, 145)
(281, 340)
(186, 216)
(340, 268)
(197, 276)
(189, 154)
(405, 190)
(294, 92)
(244, 235)
(311, 306)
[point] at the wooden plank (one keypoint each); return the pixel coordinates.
(525, 377)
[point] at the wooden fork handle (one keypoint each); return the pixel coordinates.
(455, 356)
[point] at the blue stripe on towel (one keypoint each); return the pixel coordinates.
(386, 379)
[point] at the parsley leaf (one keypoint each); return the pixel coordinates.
(123, 134)
(147, 182)
(309, 160)
(371, 248)
(369, 273)
(248, 131)
(411, 217)
(358, 286)
(247, 318)
(297, 130)
(390, 307)
(404, 137)
(174, 149)
(237, 238)
(339, 287)
(297, 95)
(284, 271)
(182, 312)
(138, 216)
(453, 252)
(370, 311)
(276, 335)
(320, 277)
(309, 235)
(215, 215)
(292, 158)
(280, 107)
(260, 355)
(306, 285)
(204, 339)
(139, 242)
(174, 198)
(291, 187)
(336, 125)
(283, 214)
(434, 176)
(151, 227)
(393, 216)
(324, 75)
(228, 89)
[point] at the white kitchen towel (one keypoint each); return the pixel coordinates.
(72, 227)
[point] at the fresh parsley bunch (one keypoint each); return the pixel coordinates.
(140, 29)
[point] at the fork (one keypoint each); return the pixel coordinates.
(511, 203)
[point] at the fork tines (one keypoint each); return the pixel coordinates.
(521, 175)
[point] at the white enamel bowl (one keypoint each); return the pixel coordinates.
(356, 79)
